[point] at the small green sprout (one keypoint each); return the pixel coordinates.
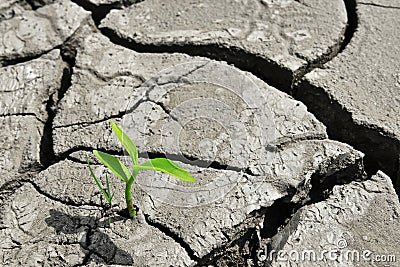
(107, 194)
(123, 173)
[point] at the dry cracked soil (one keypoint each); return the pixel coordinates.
(285, 111)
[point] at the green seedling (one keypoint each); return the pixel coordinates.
(123, 173)
(106, 194)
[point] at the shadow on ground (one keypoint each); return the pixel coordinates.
(96, 245)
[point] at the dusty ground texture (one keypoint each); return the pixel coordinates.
(286, 113)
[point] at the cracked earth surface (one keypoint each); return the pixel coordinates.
(286, 112)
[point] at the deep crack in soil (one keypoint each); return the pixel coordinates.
(275, 217)
(99, 12)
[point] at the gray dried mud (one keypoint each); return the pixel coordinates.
(285, 112)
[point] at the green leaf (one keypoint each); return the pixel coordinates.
(126, 142)
(106, 195)
(114, 164)
(167, 166)
(109, 191)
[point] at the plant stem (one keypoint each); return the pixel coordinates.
(128, 196)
